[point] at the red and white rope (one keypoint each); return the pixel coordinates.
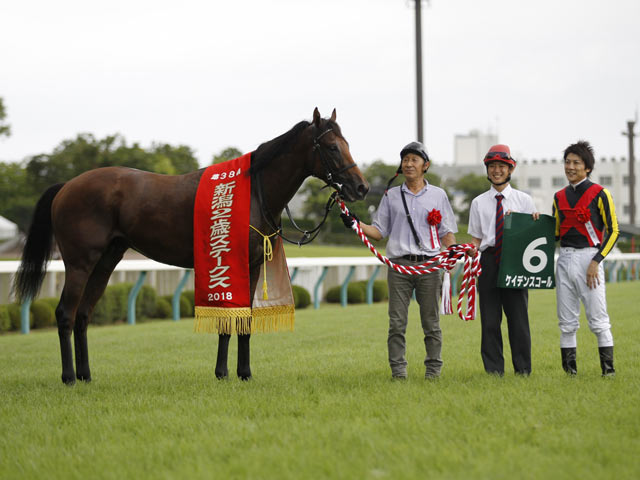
(445, 260)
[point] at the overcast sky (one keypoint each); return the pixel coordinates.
(212, 74)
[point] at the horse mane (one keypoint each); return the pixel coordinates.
(269, 150)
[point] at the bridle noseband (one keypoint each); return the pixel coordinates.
(308, 235)
(317, 148)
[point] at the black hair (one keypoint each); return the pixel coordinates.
(584, 150)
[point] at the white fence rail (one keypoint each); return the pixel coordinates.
(316, 274)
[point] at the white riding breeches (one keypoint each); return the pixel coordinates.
(571, 288)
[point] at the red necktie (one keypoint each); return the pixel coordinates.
(499, 226)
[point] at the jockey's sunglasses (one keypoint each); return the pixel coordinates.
(502, 155)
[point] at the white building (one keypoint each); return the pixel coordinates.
(471, 148)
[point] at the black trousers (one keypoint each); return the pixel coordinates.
(493, 301)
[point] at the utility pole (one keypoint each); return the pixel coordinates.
(419, 68)
(632, 181)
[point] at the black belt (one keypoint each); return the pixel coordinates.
(417, 258)
(490, 250)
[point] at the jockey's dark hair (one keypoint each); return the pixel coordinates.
(584, 150)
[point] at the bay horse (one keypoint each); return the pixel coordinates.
(98, 215)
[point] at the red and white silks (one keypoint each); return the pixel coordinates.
(443, 261)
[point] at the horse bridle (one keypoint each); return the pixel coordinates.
(307, 235)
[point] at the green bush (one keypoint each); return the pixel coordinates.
(301, 297)
(163, 308)
(120, 299)
(146, 303)
(380, 291)
(186, 308)
(43, 314)
(5, 319)
(14, 315)
(356, 293)
(104, 313)
(52, 302)
(190, 295)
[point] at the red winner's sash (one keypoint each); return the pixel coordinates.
(221, 243)
(221, 258)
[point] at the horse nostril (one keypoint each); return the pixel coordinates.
(362, 190)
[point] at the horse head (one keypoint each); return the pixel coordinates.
(332, 161)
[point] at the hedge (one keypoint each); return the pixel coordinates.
(5, 319)
(356, 293)
(163, 308)
(16, 319)
(301, 297)
(380, 289)
(186, 307)
(190, 295)
(43, 314)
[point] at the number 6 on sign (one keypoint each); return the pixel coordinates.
(532, 252)
(528, 246)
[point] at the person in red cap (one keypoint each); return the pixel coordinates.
(486, 222)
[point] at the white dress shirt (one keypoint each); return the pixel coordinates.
(482, 216)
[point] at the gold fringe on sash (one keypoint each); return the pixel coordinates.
(244, 321)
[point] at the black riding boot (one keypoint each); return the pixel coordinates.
(569, 360)
(606, 361)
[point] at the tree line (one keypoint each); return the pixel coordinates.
(21, 184)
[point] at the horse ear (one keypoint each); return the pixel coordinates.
(333, 115)
(316, 117)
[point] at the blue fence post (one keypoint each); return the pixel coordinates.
(345, 284)
(25, 310)
(316, 288)
(175, 301)
(372, 279)
(133, 294)
(293, 275)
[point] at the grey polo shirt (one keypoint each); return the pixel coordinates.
(391, 220)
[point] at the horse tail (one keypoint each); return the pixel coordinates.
(37, 248)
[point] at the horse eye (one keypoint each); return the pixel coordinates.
(334, 148)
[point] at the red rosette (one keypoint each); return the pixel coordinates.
(583, 214)
(434, 217)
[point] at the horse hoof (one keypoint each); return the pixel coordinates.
(69, 382)
(85, 379)
(245, 378)
(222, 375)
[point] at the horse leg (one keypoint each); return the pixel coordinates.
(65, 318)
(223, 351)
(244, 367)
(92, 293)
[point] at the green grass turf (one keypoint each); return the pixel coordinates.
(321, 404)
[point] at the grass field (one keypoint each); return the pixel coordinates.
(321, 404)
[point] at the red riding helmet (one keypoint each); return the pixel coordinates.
(499, 153)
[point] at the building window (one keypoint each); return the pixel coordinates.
(625, 180)
(558, 181)
(605, 180)
(626, 210)
(534, 182)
